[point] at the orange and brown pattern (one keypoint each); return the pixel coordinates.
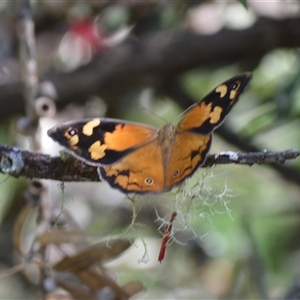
(137, 158)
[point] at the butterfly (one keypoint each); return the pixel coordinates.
(137, 158)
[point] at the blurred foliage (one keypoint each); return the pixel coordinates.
(242, 242)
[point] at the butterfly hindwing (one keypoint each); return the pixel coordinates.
(102, 141)
(152, 168)
(188, 152)
(211, 111)
(140, 172)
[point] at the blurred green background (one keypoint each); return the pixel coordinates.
(236, 238)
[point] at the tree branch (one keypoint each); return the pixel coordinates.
(159, 57)
(16, 163)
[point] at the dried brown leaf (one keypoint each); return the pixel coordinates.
(12, 270)
(103, 287)
(60, 236)
(133, 287)
(18, 226)
(97, 253)
(56, 296)
(77, 292)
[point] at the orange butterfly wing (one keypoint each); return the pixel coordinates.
(211, 111)
(141, 171)
(188, 152)
(128, 154)
(102, 141)
(194, 131)
(137, 158)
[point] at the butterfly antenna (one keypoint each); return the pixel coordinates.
(181, 114)
(151, 112)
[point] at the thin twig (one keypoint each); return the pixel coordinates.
(28, 57)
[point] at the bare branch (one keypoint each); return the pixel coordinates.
(16, 163)
(28, 63)
(157, 58)
(251, 158)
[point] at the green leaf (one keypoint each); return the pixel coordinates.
(244, 3)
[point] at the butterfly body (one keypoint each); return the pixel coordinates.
(137, 158)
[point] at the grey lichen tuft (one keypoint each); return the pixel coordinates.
(12, 162)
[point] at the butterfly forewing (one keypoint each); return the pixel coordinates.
(102, 141)
(211, 111)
